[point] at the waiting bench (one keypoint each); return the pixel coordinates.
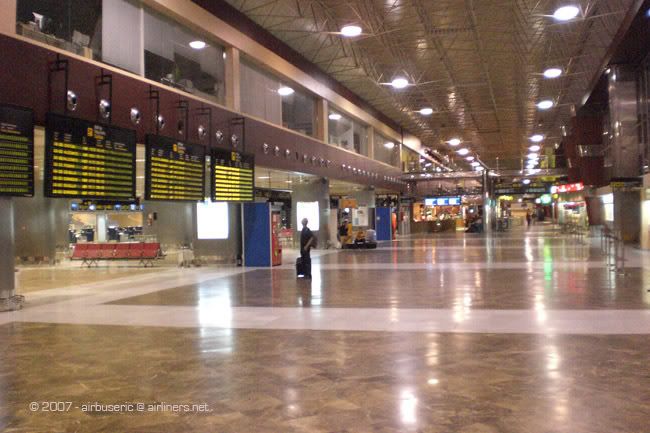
(91, 253)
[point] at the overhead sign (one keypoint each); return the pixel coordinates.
(348, 203)
(16, 151)
(510, 188)
(233, 176)
(174, 171)
(625, 182)
(88, 160)
(569, 187)
(442, 201)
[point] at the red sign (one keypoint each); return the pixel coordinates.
(569, 187)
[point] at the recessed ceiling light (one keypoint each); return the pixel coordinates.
(454, 142)
(534, 148)
(334, 116)
(285, 91)
(426, 111)
(475, 164)
(566, 13)
(464, 151)
(545, 104)
(536, 138)
(526, 181)
(470, 158)
(533, 155)
(552, 72)
(198, 45)
(399, 83)
(351, 31)
(389, 145)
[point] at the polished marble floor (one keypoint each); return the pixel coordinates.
(526, 331)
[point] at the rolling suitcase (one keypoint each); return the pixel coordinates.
(300, 271)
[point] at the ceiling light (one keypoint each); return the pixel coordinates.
(334, 116)
(389, 145)
(351, 31)
(475, 164)
(454, 142)
(399, 83)
(464, 151)
(536, 138)
(552, 72)
(426, 111)
(285, 91)
(545, 104)
(526, 181)
(534, 148)
(198, 45)
(470, 158)
(566, 13)
(533, 155)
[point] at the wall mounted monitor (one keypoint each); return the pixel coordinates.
(233, 176)
(85, 159)
(16, 151)
(174, 170)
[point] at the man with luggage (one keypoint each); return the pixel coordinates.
(307, 241)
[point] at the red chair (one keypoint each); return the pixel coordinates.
(121, 251)
(92, 254)
(79, 252)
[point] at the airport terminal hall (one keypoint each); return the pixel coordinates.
(325, 216)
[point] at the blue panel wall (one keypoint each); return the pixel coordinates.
(383, 224)
(257, 234)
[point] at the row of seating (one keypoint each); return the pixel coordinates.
(91, 253)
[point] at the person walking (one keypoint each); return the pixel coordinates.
(307, 242)
(529, 218)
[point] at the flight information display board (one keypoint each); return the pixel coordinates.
(233, 176)
(16, 151)
(174, 170)
(88, 160)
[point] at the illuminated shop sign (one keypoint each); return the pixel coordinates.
(569, 187)
(442, 201)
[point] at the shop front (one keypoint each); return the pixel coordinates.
(443, 214)
(571, 205)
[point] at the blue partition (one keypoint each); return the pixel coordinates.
(383, 224)
(257, 234)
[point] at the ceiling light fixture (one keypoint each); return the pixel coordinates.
(454, 142)
(351, 31)
(552, 72)
(533, 155)
(426, 111)
(526, 181)
(545, 104)
(534, 148)
(285, 91)
(334, 116)
(475, 164)
(566, 13)
(470, 158)
(464, 151)
(389, 145)
(536, 138)
(399, 83)
(198, 45)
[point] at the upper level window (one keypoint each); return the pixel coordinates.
(386, 150)
(175, 56)
(346, 132)
(410, 160)
(267, 97)
(73, 25)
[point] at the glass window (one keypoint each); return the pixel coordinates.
(260, 97)
(175, 56)
(73, 25)
(410, 160)
(347, 133)
(386, 150)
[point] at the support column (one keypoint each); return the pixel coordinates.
(8, 17)
(7, 265)
(625, 149)
(316, 191)
(371, 142)
(488, 210)
(322, 120)
(233, 77)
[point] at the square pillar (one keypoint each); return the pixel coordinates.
(233, 77)
(321, 121)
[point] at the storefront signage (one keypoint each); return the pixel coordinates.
(174, 171)
(442, 201)
(569, 187)
(16, 151)
(233, 175)
(88, 160)
(625, 182)
(92, 205)
(546, 199)
(510, 188)
(348, 203)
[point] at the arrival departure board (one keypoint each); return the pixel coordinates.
(88, 160)
(232, 176)
(16, 151)
(174, 170)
